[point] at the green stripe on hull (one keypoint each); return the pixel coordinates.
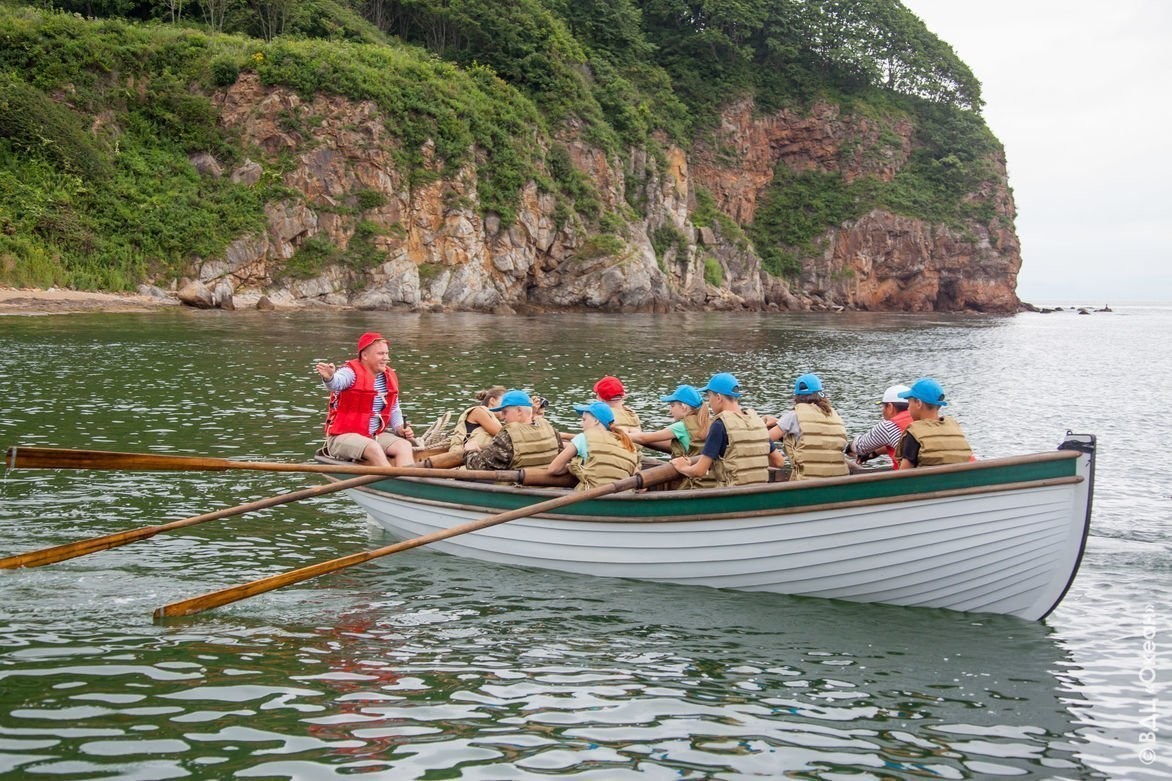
(680, 504)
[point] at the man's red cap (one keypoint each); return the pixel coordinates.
(367, 339)
(609, 388)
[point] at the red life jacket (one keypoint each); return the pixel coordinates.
(903, 419)
(350, 410)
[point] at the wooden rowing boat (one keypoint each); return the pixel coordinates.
(1003, 535)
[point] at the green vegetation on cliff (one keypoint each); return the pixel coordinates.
(104, 102)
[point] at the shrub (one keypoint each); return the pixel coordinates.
(369, 199)
(311, 258)
(225, 72)
(43, 128)
(429, 271)
(797, 208)
(612, 222)
(361, 253)
(665, 237)
(600, 246)
(705, 212)
(24, 263)
(573, 184)
(713, 272)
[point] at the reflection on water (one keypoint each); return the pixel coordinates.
(422, 665)
(437, 663)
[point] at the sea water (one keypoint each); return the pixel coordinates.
(421, 665)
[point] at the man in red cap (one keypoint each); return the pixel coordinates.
(610, 389)
(364, 421)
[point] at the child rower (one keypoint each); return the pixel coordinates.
(812, 433)
(611, 391)
(736, 450)
(686, 435)
(603, 453)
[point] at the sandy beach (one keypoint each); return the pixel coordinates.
(34, 301)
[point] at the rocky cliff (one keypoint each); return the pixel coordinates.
(432, 248)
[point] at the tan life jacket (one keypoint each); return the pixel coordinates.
(696, 444)
(461, 435)
(818, 451)
(534, 444)
(746, 459)
(625, 418)
(696, 438)
(941, 442)
(606, 461)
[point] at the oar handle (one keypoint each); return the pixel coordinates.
(215, 599)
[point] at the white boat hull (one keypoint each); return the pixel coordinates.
(1009, 549)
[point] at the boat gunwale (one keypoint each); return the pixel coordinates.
(739, 490)
(737, 514)
(796, 485)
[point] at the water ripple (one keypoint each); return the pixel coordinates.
(424, 666)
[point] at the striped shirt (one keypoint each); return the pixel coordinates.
(882, 435)
(344, 377)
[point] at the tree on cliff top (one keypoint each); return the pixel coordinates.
(674, 60)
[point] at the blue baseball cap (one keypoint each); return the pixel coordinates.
(926, 390)
(599, 409)
(685, 394)
(513, 398)
(725, 384)
(807, 385)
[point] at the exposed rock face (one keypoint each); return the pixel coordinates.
(881, 261)
(887, 262)
(738, 164)
(439, 252)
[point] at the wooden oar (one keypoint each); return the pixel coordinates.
(37, 558)
(94, 544)
(214, 599)
(64, 458)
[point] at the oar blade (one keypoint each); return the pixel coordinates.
(72, 550)
(20, 457)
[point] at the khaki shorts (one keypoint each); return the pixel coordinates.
(350, 447)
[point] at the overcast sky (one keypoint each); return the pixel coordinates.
(1080, 94)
